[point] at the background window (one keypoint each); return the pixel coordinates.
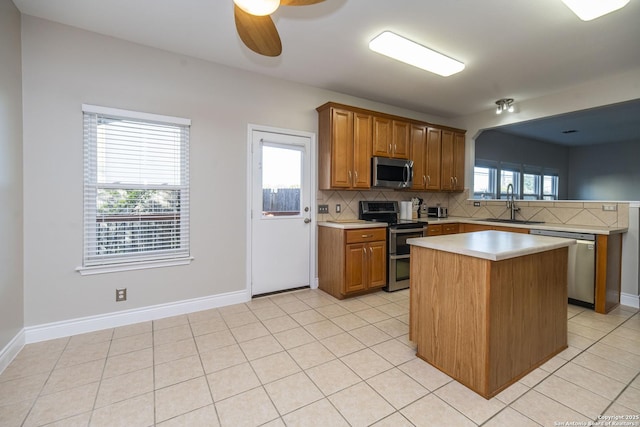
(136, 187)
(484, 182)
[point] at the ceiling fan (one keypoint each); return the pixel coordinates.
(256, 28)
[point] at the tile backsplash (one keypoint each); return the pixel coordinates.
(587, 213)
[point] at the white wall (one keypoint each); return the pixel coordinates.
(11, 281)
(65, 67)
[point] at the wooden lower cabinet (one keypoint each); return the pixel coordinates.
(351, 262)
(440, 229)
(468, 228)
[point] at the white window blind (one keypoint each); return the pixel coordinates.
(136, 187)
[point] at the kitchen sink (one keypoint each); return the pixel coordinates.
(510, 221)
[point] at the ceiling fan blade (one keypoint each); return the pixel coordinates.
(258, 33)
(299, 2)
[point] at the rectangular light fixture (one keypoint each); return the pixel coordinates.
(592, 9)
(412, 53)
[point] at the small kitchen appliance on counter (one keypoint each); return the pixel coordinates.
(437, 212)
(398, 231)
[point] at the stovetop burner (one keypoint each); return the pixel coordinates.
(384, 211)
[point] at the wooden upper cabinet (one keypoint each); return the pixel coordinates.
(433, 158)
(350, 136)
(382, 136)
(452, 173)
(362, 137)
(458, 161)
(344, 149)
(418, 138)
(400, 139)
(390, 138)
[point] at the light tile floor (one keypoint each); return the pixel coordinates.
(306, 359)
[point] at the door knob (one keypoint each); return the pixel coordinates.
(307, 220)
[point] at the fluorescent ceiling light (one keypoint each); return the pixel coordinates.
(412, 53)
(592, 9)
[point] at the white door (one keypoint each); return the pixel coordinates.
(281, 224)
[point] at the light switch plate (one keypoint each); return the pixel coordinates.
(338, 208)
(610, 208)
(323, 209)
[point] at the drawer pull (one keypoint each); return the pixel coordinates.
(364, 236)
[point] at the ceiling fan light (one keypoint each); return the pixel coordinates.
(592, 9)
(412, 53)
(499, 110)
(258, 7)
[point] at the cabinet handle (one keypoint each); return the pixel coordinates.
(364, 236)
(350, 180)
(395, 148)
(451, 181)
(371, 252)
(356, 176)
(424, 180)
(389, 147)
(429, 180)
(456, 180)
(364, 251)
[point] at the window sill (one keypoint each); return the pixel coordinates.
(141, 265)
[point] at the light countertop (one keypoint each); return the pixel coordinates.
(347, 224)
(589, 229)
(492, 245)
(352, 224)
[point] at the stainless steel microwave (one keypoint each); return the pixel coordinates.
(391, 173)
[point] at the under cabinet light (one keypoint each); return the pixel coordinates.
(592, 9)
(412, 53)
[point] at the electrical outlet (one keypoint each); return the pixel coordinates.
(476, 204)
(610, 208)
(121, 294)
(323, 209)
(338, 208)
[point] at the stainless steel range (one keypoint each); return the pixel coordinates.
(398, 231)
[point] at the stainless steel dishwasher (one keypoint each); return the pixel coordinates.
(582, 266)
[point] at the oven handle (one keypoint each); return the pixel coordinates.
(391, 256)
(406, 230)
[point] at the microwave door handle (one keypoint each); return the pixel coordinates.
(406, 174)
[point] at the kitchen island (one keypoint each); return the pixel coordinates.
(488, 307)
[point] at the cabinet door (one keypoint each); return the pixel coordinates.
(458, 161)
(447, 160)
(356, 257)
(342, 148)
(382, 136)
(400, 141)
(434, 158)
(362, 140)
(377, 264)
(418, 155)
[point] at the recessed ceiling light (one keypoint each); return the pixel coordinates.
(592, 9)
(412, 53)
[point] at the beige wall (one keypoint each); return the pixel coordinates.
(66, 67)
(11, 281)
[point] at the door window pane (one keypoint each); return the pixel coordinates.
(281, 181)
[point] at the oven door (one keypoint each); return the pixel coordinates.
(398, 239)
(398, 272)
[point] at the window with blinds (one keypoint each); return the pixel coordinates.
(136, 187)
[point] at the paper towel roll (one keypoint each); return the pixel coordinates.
(405, 210)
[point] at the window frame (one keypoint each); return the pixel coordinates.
(133, 260)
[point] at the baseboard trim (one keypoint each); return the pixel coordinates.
(630, 300)
(83, 325)
(11, 350)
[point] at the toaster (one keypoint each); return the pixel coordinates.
(437, 212)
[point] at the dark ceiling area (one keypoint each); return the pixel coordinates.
(611, 123)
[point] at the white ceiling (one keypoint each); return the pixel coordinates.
(516, 49)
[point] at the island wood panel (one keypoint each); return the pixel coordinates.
(488, 323)
(528, 319)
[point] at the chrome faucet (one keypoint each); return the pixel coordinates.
(511, 202)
